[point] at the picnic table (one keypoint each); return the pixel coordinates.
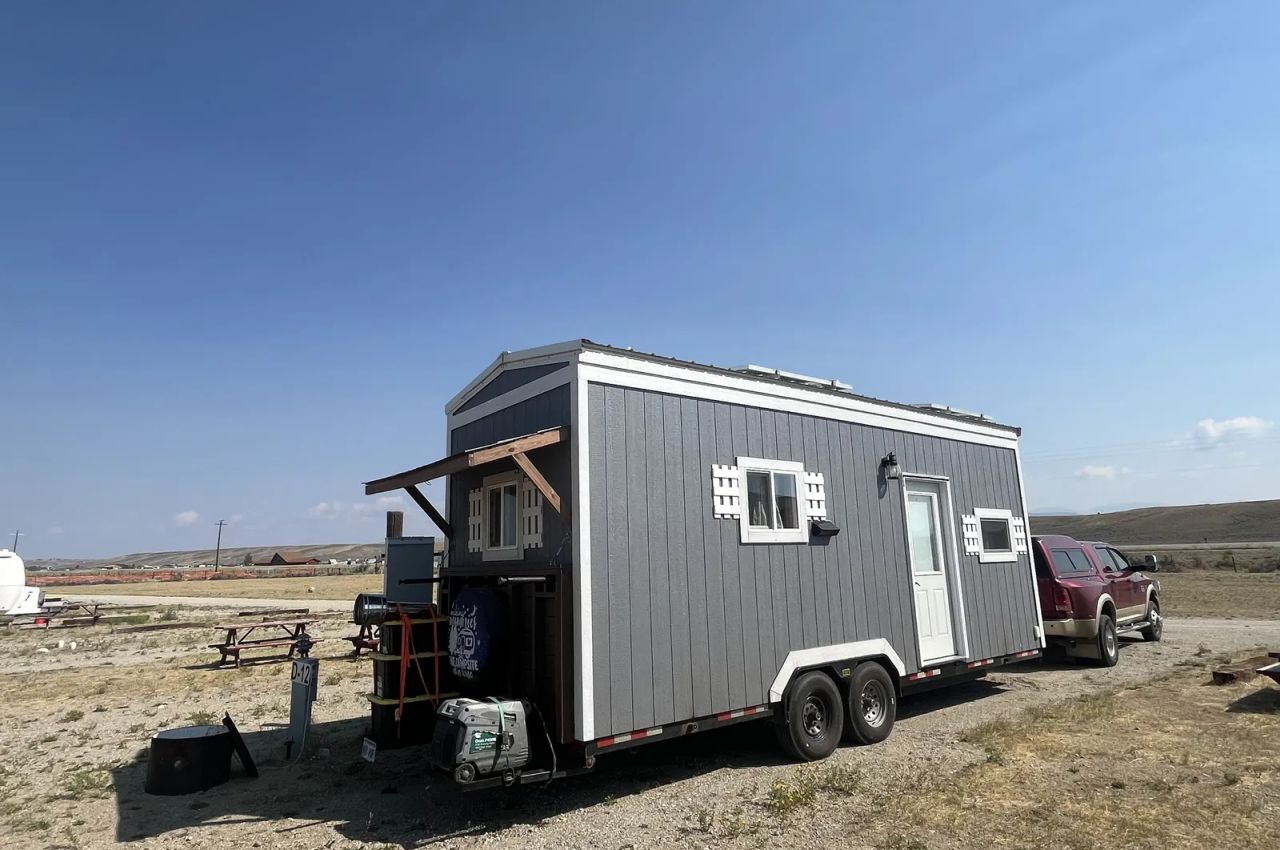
(278, 633)
(367, 638)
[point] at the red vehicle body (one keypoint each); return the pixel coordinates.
(1089, 594)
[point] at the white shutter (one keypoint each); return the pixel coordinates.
(972, 534)
(726, 492)
(815, 496)
(475, 503)
(530, 515)
(1019, 526)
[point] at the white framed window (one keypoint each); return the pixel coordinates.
(500, 517)
(995, 538)
(773, 509)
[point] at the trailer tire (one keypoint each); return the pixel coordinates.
(815, 719)
(1108, 641)
(871, 705)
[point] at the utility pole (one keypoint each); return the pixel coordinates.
(217, 555)
(16, 535)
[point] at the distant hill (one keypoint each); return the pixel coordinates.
(231, 557)
(1231, 522)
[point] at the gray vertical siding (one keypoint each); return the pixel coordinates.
(547, 410)
(688, 621)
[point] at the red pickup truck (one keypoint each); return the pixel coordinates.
(1090, 594)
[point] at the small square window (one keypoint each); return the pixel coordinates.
(995, 526)
(773, 509)
(501, 521)
(995, 536)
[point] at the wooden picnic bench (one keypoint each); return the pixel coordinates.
(281, 633)
(367, 638)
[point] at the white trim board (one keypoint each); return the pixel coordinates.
(798, 659)
(751, 393)
(515, 395)
(558, 352)
(1031, 555)
(584, 705)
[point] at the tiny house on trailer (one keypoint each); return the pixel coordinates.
(641, 547)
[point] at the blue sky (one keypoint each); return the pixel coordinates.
(247, 251)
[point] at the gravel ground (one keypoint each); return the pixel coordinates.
(659, 795)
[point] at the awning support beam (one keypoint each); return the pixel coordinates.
(548, 492)
(429, 509)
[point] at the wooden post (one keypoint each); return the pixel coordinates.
(395, 524)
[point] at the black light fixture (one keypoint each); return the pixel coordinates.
(889, 464)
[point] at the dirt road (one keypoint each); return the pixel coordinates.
(657, 796)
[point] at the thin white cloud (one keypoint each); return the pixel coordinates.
(186, 518)
(54, 530)
(1210, 433)
(1091, 472)
(338, 509)
(236, 518)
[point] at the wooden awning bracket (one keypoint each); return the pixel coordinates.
(515, 448)
(549, 494)
(429, 509)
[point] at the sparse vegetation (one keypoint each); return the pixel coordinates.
(87, 783)
(203, 718)
(72, 716)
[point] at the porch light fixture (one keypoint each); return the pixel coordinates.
(889, 465)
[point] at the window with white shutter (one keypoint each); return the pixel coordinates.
(815, 496)
(475, 519)
(530, 515)
(773, 500)
(1000, 536)
(726, 492)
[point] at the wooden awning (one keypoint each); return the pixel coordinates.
(514, 449)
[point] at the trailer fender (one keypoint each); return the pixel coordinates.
(817, 656)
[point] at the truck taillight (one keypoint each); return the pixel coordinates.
(1061, 600)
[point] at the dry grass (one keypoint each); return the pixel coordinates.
(326, 587)
(1221, 594)
(1177, 764)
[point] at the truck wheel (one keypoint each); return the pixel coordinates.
(871, 704)
(816, 719)
(1108, 641)
(1154, 631)
(464, 773)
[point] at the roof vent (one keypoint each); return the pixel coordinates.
(954, 411)
(792, 377)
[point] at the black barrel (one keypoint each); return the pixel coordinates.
(188, 759)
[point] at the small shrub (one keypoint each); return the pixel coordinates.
(87, 784)
(786, 797)
(202, 718)
(72, 716)
(168, 615)
(1231, 779)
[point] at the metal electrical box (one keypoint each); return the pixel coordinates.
(410, 570)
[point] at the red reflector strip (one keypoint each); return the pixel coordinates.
(923, 674)
(630, 736)
(1030, 653)
(986, 662)
(742, 712)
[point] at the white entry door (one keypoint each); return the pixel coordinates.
(929, 572)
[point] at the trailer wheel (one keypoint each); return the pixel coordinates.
(1108, 641)
(815, 720)
(464, 773)
(871, 704)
